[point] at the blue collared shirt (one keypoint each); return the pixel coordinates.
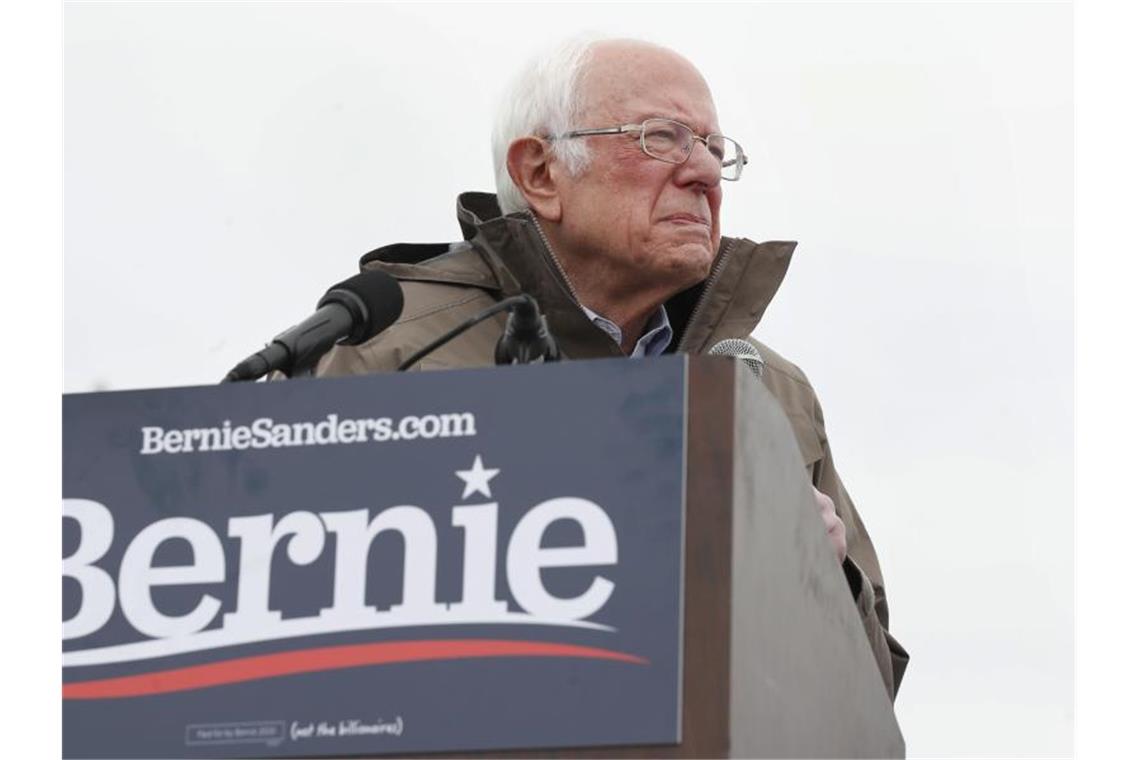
(653, 342)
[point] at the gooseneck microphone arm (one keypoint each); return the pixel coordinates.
(462, 327)
(524, 304)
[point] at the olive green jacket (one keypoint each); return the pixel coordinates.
(444, 284)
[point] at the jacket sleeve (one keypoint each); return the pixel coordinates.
(864, 576)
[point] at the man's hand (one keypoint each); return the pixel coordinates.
(836, 530)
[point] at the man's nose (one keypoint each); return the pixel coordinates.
(702, 167)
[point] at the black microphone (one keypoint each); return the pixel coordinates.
(526, 338)
(350, 312)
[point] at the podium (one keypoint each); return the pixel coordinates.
(631, 566)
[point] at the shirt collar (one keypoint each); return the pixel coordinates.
(654, 340)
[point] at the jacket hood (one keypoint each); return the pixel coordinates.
(506, 255)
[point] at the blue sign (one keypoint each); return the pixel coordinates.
(464, 560)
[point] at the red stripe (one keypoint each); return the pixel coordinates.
(326, 658)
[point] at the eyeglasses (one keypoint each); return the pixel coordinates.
(672, 142)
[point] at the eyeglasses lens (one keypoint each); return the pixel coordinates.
(673, 142)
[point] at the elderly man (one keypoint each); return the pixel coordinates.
(610, 169)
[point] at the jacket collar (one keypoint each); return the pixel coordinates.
(513, 257)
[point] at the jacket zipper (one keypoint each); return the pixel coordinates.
(550, 255)
(718, 267)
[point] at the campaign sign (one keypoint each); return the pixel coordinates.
(464, 560)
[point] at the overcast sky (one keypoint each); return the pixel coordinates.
(225, 163)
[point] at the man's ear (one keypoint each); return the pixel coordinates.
(529, 164)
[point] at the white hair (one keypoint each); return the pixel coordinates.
(545, 99)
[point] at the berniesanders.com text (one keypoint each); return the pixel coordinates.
(267, 433)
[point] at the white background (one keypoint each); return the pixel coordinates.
(226, 163)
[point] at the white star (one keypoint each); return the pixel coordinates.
(476, 479)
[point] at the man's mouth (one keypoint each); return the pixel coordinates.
(687, 219)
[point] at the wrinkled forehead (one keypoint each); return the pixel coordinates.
(627, 81)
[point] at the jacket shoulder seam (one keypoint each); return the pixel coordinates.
(440, 307)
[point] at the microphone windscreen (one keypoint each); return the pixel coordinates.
(743, 350)
(376, 295)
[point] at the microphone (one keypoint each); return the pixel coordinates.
(526, 338)
(743, 350)
(350, 312)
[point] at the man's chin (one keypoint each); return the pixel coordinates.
(697, 257)
(691, 265)
(675, 264)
